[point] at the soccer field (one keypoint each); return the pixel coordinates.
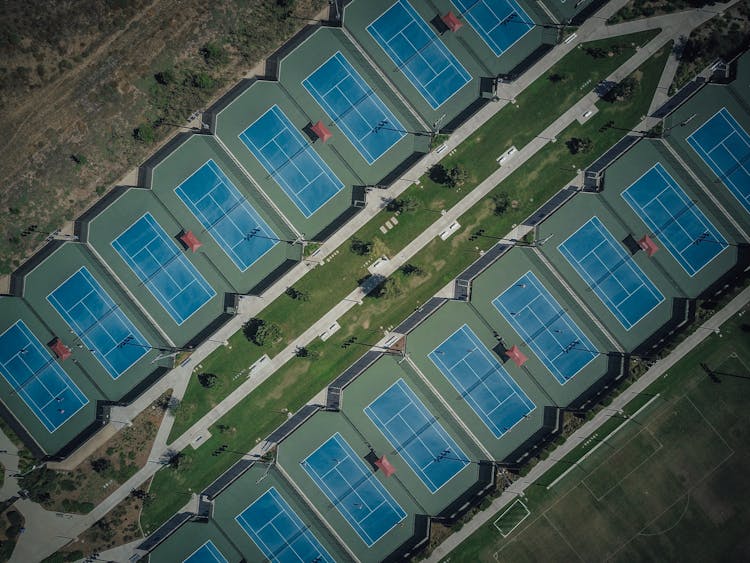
(668, 485)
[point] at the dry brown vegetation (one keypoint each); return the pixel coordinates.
(101, 472)
(77, 79)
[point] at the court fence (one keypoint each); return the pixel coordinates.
(420, 315)
(333, 397)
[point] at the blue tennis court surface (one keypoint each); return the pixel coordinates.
(37, 378)
(482, 381)
(418, 53)
(357, 110)
(291, 161)
(675, 219)
(724, 146)
(207, 553)
(160, 265)
(417, 435)
(227, 215)
(613, 275)
(99, 322)
(353, 489)
(500, 23)
(279, 533)
(544, 325)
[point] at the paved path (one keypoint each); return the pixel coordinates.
(9, 460)
(711, 326)
(30, 548)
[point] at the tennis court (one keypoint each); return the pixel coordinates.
(279, 532)
(418, 53)
(675, 219)
(353, 489)
(163, 268)
(500, 23)
(416, 435)
(37, 378)
(291, 161)
(227, 215)
(546, 327)
(207, 553)
(357, 110)
(482, 381)
(724, 146)
(611, 273)
(99, 322)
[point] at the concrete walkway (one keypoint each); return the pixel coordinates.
(9, 459)
(660, 368)
(30, 547)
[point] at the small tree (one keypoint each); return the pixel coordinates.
(457, 176)
(165, 77)
(296, 294)
(250, 328)
(173, 406)
(100, 464)
(401, 205)
(267, 333)
(411, 270)
(438, 174)
(556, 77)
(389, 289)
(305, 352)
(207, 380)
(579, 145)
(144, 133)
(203, 81)
(214, 54)
(360, 247)
(172, 458)
(622, 91)
(501, 200)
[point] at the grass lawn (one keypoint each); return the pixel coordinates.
(261, 411)
(668, 486)
(537, 107)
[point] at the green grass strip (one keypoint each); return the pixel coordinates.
(290, 388)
